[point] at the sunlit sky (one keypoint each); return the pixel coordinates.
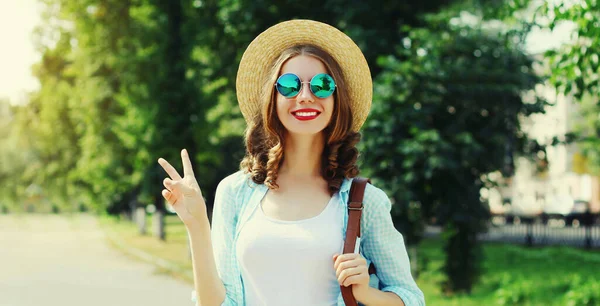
(17, 21)
(17, 54)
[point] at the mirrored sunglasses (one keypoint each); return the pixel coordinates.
(289, 85)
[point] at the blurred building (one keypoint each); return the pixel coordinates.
(536, 186)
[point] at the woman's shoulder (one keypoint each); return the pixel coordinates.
(233, 191)
(376, 208)
(236, 182)
(376, 199)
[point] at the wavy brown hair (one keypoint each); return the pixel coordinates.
(265, 139)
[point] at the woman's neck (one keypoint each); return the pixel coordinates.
(302, 155)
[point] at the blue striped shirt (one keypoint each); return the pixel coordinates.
(237, 197)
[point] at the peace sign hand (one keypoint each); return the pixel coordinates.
(184, 194)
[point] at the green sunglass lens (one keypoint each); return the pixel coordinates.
(288, 85)
(322, 85)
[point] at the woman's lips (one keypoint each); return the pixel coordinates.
(306, 116)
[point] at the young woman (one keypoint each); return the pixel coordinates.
(279, 223)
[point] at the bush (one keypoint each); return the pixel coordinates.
(55, 209)
(514, 290)
(583, 293)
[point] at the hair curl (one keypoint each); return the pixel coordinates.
(264, 137)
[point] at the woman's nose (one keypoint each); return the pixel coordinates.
(305, 94)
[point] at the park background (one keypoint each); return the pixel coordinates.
(483, 112)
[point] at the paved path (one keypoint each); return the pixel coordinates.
(62, 261)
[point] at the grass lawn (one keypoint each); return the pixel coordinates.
(516, 275)
(513, 275)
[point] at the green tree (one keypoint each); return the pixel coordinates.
(125, 91)
(576, 65)
(575, 68)
(445, 114)
(48, 132)
(587, 130)
(72, 114)
(11, 158)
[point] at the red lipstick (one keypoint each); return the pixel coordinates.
(306, 114)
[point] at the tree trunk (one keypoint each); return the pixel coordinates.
(413, 251)
(159, 225)
(140, 220)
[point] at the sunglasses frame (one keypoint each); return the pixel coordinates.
(302, 85)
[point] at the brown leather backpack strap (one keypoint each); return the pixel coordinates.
(355, 206)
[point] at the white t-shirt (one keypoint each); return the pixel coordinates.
(291, 262)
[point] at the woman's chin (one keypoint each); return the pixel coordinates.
(305, 131)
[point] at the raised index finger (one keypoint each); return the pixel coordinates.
(169, 169)
(187, 164)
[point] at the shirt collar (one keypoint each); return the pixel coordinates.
(345, 187)
(346, 183)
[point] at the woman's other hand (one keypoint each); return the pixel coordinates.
(351, 270)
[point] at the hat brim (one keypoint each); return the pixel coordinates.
(266, 48)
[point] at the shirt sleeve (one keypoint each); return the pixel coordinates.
(224, 219)
(384, 246)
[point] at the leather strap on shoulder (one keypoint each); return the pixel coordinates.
(355, 206)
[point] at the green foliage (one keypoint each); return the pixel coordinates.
(113, 87)
(445, 113)
(515, 275)
(588, 133)
(514, 291)
(12, 161)
(583, 292)
(576, 66)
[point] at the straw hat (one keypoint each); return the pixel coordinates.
(266, 48)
